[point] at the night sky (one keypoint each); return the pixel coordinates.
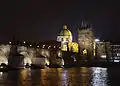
(43, 19)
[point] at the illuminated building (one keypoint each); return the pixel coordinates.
(103, 50)
(64, 37)
(86, 39)
(73, 46)
(100, 50)
(96, 41)
(115, 49)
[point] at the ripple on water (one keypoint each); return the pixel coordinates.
(94, 76)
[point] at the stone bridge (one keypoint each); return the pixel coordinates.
(29, 52)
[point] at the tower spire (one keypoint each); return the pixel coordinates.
(65, 27)
(82, 23)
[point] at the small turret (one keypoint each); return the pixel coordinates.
(85, 25)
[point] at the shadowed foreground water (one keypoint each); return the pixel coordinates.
(94, 76)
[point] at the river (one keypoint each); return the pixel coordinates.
(83, 76)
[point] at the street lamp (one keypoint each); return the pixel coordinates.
(10, 42)
(24, 42)
(38, 46)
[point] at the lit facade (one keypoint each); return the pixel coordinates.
(115, 49)
(64, 37)
(103, 50)
(73, 46)
(86, 39)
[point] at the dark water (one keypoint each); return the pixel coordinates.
(94, 76)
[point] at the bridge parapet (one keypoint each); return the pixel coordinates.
(29, 52)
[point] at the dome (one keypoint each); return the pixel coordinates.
(65, 31)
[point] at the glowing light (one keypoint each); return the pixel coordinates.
(38, 46)
(63, 42)
(103, 56)
(27, 60)
(1, 66)
(59, 53)
(97, 40)
(94, 48)
(6, 62)
(24, 42)
(63, 62)
(118, 54)
(43, 46)
(47, 62)
(1, 73)
(49, 47)
(74, 59)
(116, 61)
(84, 52)
(54, 46)
(30, 45)
(10, 42)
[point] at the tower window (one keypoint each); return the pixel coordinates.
(66, 39)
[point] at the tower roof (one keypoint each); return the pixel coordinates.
(85, 25)
(65, 31)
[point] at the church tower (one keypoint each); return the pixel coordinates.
(86, 38)
(65, 36)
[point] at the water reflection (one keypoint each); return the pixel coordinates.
(1, 75)
(78, 77)
(25, 77)
(50, 77)
(35, 77)
(99, 76)
(1, 79)
(83, 76)
(13, 78)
